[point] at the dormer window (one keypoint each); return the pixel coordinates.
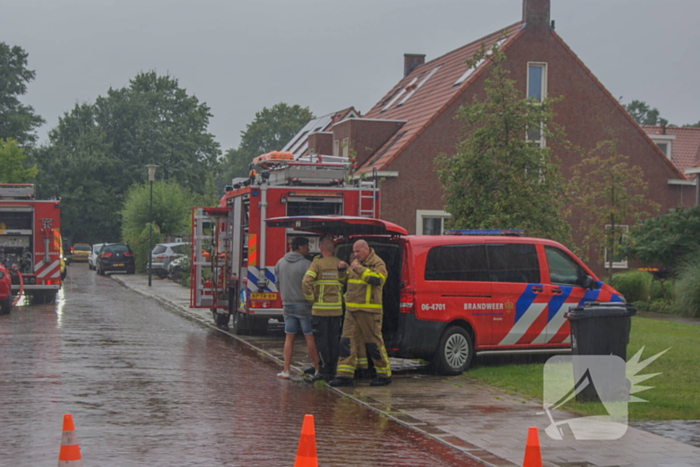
(665, 143)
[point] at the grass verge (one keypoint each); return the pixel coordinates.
(675, 393)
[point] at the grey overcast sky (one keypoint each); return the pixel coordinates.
(239, 56)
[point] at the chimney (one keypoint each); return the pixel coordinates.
(536, 13)
(411, 61)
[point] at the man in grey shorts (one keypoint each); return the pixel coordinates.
(290, 272)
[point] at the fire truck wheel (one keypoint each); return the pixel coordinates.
(454, 352)
(258, 326)
(6, 306)
(221, 319)
(240, 323)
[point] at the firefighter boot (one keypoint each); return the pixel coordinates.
(342, 382)
(381, 381)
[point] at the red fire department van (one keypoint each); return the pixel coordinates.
(449, 296)
(30, 239)
(233, 252)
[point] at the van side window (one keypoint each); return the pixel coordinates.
(457, 263)
(562, 268)
(514, 262)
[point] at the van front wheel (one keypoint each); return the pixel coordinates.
(454, 352)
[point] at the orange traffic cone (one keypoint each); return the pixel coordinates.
(306, 452)
(69, 456)
(532, 449)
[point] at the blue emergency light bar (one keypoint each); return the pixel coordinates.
(505, 232)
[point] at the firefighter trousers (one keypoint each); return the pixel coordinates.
(327, 335)
(362, 327)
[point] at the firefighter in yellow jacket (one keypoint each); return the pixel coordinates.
(363, 315)
(322, 288)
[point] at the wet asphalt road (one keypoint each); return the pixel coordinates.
(147, 387)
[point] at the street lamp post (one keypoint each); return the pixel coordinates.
(151, 177)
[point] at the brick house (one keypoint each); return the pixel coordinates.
(401, 135)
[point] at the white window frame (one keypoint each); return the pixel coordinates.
(544, 67)
(346, 147)
(619, 264)
(336, 147)
(430, 214)
(542, 143)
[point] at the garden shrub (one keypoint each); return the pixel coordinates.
(634, 285)
(657, 292)
(688, 287)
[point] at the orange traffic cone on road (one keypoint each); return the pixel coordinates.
(69, 456)
(532, 449)
(306, 452)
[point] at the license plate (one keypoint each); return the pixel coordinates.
(263, 296)
(119, 265)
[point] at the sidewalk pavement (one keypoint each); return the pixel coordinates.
(483, 422)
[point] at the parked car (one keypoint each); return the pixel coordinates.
(5, 291)
(449, 296)
(80, 252)
(94, 254)
(116, 257)
(163, 253)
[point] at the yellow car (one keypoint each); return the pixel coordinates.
(80, 252)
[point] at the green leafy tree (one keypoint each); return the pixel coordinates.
(172, 205)
(497, 178)
(271, 130)
(665, 241)
(17, 121)
(99, 150)
(12, 168)
(608, 191)
(643, 114)
(692, 125)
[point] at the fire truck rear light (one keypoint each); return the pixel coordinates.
(406, 300)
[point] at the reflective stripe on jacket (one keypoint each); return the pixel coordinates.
(365, 284)
(322, 288)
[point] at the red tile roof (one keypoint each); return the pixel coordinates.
(430, 97)
(685, 148)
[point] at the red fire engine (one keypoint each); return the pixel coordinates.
(234, 254)
(30, 238)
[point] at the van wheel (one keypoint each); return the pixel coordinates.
(454, 352)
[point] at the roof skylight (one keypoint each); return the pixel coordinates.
(403, 91)
(425, 80)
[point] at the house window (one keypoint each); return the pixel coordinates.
(618, 261)
(431, 222)
(336, 147)
(346, 147)
(536, 81)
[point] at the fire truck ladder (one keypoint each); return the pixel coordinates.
(368, 191)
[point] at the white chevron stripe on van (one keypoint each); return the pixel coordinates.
(554, 325)
(523, 324)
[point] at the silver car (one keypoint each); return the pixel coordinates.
(164, 253)
(94, 254)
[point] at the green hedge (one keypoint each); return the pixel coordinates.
(688, 287)
(634, 285)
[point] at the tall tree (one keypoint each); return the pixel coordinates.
(609, 191)
(12, 168)
(271, 130)
(17, 121)
(643, 114)
(497, 178)
(99, 150)
(692, 125)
